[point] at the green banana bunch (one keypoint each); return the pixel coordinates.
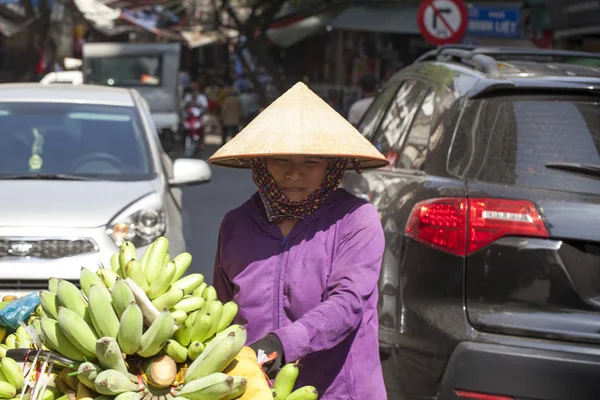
(77, 331)
(56, 340)
(218, 353)
(70, 297)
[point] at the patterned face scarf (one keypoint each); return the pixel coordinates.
(279, 207)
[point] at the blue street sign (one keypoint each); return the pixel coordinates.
(495, 22)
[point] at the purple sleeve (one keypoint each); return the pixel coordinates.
(221, 282)
(354, 275)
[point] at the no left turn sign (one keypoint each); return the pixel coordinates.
(442, 21)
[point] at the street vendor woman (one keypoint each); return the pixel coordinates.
(302, 257)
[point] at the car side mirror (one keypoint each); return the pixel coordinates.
(190, 171)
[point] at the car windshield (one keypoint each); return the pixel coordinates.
(74, 140)
(126, 71)
(538, 141)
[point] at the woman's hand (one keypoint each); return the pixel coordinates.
(270, 344)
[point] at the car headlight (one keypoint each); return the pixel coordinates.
(140, 223)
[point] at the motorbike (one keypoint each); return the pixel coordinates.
(193, 129)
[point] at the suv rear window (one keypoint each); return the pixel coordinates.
(510, 139)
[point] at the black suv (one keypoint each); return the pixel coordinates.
(490, 287)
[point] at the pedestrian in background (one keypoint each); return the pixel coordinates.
(231, 113)
(368, 88)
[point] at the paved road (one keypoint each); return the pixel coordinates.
(204, 207)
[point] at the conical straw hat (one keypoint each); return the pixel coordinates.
(299, 122)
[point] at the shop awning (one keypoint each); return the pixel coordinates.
(9, 28)
(387, 18)
(292, 31)
(101, 16)
(199, 39)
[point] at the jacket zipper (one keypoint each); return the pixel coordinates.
(278, 293)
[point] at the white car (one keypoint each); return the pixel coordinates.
(82, 170)
(72, 77)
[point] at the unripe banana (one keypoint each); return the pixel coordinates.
(127, 253)
(49, 302)
(304, 393)
(167, 259)
(210, 293)
(218, 353)
(285, 380)
(195, 349)
(87, 374)
(71, 297)
(87, 278)
(3, 349)
(182, 263)
(211, 387)
(133, 270)
(55, 339)
(179, 316)
(189, 304)
(122, 296)
(200, 290)
(145, 256)
(191, 318)
(239, 387)
(189, 283)
(156, 335)
(11, 341)
(176, 351)
(112, 382)
(156, 258)
(102, 314)
(215, 310)
(115, 264)
(13, 372)
(202, 326)
(7, 391)
(128, 396)
(168, 299)
(77, 331)
(148, 310)
(107, 276)
(160, 285)
(131, 329)
(53, 285)
(37, 327)
(109, 355)
(230, 310)
(182, 335)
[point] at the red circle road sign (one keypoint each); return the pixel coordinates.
(442, 21)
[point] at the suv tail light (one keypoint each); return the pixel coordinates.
(462, 226)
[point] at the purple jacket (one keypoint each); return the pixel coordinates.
(316, 290)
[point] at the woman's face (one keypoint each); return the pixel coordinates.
(297, 176)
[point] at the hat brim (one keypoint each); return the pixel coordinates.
(243, 162)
